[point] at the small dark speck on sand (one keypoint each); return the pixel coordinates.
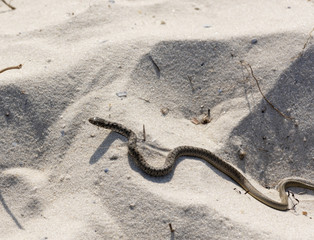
(254, 41)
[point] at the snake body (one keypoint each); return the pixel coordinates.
(208, 156)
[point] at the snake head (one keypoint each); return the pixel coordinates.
(93, 120)
(97, 121)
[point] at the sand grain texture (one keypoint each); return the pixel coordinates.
(63, 178)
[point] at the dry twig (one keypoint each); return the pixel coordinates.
(297, 200)
(306, 43)
(250, 71)
(10, 68)
(308, 39)
(144, 133)
(304, 46)
(10, 6)
(171, 229)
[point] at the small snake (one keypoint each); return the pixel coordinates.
(208, 156)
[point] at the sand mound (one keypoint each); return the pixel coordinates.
(63, 178)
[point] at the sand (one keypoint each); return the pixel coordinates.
(63, 178)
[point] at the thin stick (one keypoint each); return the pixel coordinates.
(144, 133)
(171, 229)
(308, 39)
(191, 84)
(10, 68)
(10, 6)
(305, 45)
(146, 100)
(245, 64)
(157, 69)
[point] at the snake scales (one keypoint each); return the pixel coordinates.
(218, 163)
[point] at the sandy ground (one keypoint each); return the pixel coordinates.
(63, 178)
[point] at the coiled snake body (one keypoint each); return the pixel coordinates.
(208, 156)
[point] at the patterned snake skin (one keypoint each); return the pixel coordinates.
(208, 156)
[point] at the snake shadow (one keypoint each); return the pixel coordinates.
(7, 209)
(104, 146)
(168, 178)
(113, 136)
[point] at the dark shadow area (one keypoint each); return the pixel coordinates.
(104, 146)
(7, 209)
(21, 119)
(26, 113)
(14, 103)
(273, 143)
(23, 116)
(184, 75)
(188, 73)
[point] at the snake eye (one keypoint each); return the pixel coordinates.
(92, 120)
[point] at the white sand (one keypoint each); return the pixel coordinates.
(77, 55)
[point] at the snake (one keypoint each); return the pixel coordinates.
(209, 157)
